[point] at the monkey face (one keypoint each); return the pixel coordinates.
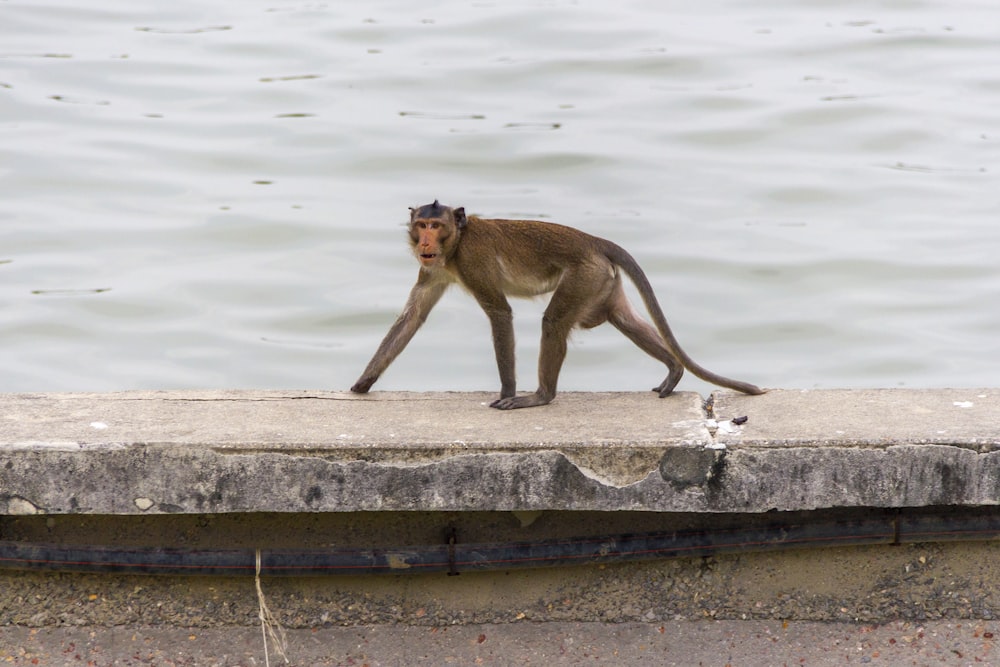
(434, 230)
(429, 237)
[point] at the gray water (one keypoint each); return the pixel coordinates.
(213, 194)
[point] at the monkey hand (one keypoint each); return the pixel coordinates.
(363, 385)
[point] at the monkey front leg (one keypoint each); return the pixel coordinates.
(422, 298)
(502, 325)
(399, 335)
(562, 313)
(550, 360)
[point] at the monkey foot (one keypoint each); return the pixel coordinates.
(515, 402)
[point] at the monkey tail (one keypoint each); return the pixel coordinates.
(621, 258)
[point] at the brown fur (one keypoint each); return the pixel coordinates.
(494, 259)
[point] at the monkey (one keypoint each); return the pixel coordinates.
(494, 258)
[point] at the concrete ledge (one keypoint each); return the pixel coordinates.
(271, 451)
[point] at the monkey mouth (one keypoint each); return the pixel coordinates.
(427, 257)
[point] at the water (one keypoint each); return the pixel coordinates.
(213, 194)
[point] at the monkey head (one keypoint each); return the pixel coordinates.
(434, 232)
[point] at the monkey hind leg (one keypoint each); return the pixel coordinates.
(667, 386)
(577, 301)
(624, 318)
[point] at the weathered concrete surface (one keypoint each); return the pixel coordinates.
(248, 451)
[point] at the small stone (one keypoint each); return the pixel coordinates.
(143, 503)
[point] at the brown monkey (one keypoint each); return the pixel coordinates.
(494, 259)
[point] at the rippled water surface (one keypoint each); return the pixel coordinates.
(212, 194)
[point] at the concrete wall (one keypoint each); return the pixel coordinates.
(218, 452)
(308, 469)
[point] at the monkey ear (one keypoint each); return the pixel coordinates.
(460, 220)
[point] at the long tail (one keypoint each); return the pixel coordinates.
(627, 263)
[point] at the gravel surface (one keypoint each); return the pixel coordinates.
(915, 604)
(687, 643)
